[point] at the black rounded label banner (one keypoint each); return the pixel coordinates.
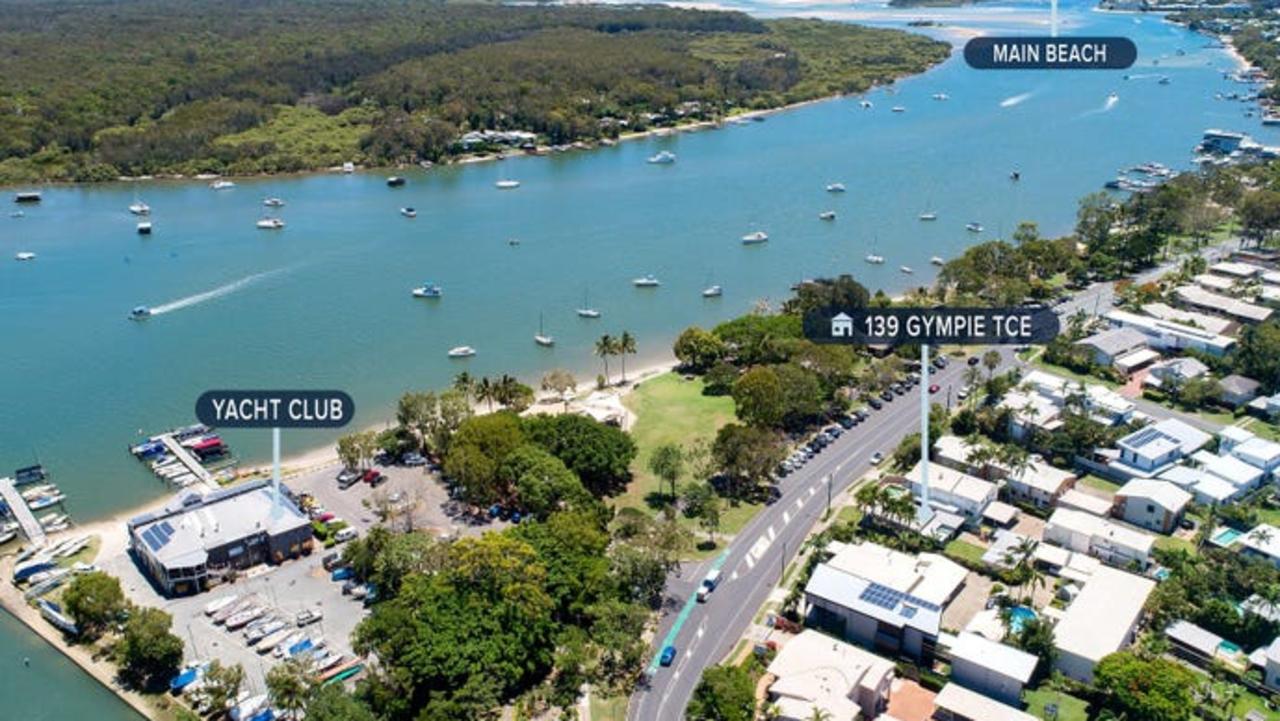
(1048, 53)
(275, 409)
(936, 326)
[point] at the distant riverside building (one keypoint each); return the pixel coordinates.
(195, 538)
(1169, 335)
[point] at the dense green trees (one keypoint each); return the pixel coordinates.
(1155, 689)
(148, 654)
(1258, 355)
(747, 456)
(598, 453)
(698, 350)
(94, 601)
(185, 86)
(725, 693)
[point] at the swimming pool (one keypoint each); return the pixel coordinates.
(1230, 648)
(1018, 616)
(1225, 536)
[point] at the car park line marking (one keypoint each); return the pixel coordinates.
(799, 504)
(786, 518)
(772, 534)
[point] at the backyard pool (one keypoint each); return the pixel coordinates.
(1225, 536)
(1018, 616)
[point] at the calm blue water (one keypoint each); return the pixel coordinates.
(325, 302)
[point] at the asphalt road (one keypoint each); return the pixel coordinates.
(704, 633)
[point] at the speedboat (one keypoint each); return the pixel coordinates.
(409, 212)
(899, 109)
(144, 227)
(462, 351)
(906, 269)
(138, 207)
(935, 260)
(714, 291)
(1015, 175)
(7, 536)
(758, 236)
(647, 281)
(270, 224)
(395, 181)
(273, 202)
(348, 167)
(140, 313)
(24, 255)
(507, 184)
(865, 104)
(973, 227)
(929, 216)
(428, 290)
(941, 96)
(665, 157)
(43, 502)
(1164, 80)
(835, 188)
(827, 215)
(222, 185)
(875, 259)
(513, 242)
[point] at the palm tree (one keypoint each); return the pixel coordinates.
(626, 345)
(972, 376)
(868, 499)
(819, 714)
(991, 360)
(487, 391)
(465, 383)
(606, 347)
(505, 389)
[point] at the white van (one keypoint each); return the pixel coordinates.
(708, 584)
(346, 534)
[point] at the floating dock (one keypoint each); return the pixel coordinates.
(31, 528)
(191, 463)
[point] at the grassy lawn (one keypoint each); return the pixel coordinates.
(849, 514)
(1101, 484)
(1170, 543)
(670, 409)
(1070, 708)
(1262, 429)
(1250, 701)
(965, 550)
(611, 708)
(1072, 375)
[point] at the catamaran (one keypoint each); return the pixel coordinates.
(428, 290)
(646, 281)
(507, 184)
(665, 157)
(835, 188)
(542, 338)
(462, 351)
(758, 236)
(270, 224)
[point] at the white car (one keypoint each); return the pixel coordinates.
(877, 458)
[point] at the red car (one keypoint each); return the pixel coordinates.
(371, 476)
(934, 388)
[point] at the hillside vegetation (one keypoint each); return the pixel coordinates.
(90, 90)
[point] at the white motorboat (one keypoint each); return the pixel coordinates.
(7, 536)
(713, 291)
(409, 212)
(428, 290)
(24, 255)
(665, 157)
(906, 269)
(835, 188)
(462, 351)
(937, 260)
(273, 202)
(758, 236)
(17, 214)
(258, 633)
(875, 259)
(827, 215)
(243, 618)
(138, 207)
(507, 184)
(270, 224)
(941, 96)
(646, 281)
(222, 185)
(144, 227)
(43, 502)
(973, 227)
(217, 605)
(899, 109)
(929, 215)
(866, 104)
(542, 338)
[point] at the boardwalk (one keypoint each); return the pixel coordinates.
(31, 528)
(185, 458)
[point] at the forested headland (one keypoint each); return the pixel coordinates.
(96, 90)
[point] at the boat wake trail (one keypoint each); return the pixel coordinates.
(218, 292)
(1106, 107)
(1015, 100)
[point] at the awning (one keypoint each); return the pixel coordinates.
(1136, 359)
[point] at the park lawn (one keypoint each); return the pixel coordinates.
(608, 708)
(1250, 701)
(1070, 708)
(1072, 375)
(670, 409)
(1101, 484)
(849, 514)
(965, 551)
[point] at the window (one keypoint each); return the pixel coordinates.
(1151, 508)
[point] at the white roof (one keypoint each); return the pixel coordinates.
(1192, 636)
(929, 576)
(1257, 450)
(1096, 527)
(960, 701)
(1235, 433)
(1225, 304)
(1272, 277)
(1156, 326)
(1114, 341)
(1162, 493)
(1230, 469)
(816, 670)
(1206, 487)
(1239, 270)
(1042, 477)
(1160, 437)
(1136, 358)
(1099, 620)
(1087, 502)
(1005, 660)
(954, 448)
(950, 481)
(1214, 282)
(1211, 323)
(1263, 538)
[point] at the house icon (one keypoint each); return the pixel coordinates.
(841, 326)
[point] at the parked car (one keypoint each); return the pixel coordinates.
(348, 478)
(370, 475)
(877, 458)
(308, 616)
(886, 396)
(346, 534)
(939, 362)
(413, 459)
(973, 360)
(330, 560)
(668, 655)
(341, 573)
(324, 517)
(875, 403)
(964, 393)
(847, 422)
(934, 388)
(378, 480)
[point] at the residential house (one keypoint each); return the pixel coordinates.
(1102, 619)
(1271, 670)
(957, 703)
(1203, 321)
(1267, 407)
(1038, 484)
(1167, 335)
(881, 599)
(1174, 372)
(1192, 643)
(1238, 390)
(1230, 469)
(1106, 540)
(1261, 454)
(1079, 500)
(1262, 542)
(954, 491)
(815, 671)
(1150, 450)
(1151, 504)
(1206, 488)
(1236, 271)
(1215, 283)
(990, 668)
(1211, 302)
(1113, 343)
(1040, 397)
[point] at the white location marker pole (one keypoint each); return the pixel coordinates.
(1053, 18)
(275, 471)
(925, 511)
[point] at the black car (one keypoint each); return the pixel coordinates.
(939, 363)
(973, 360)
(330, 561)
(848, 422)
(861, 415)
(875, 403)
(887, 396)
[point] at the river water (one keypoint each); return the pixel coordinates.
(325, 303)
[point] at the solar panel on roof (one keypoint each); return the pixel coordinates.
(150, 537)
(168, 530)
